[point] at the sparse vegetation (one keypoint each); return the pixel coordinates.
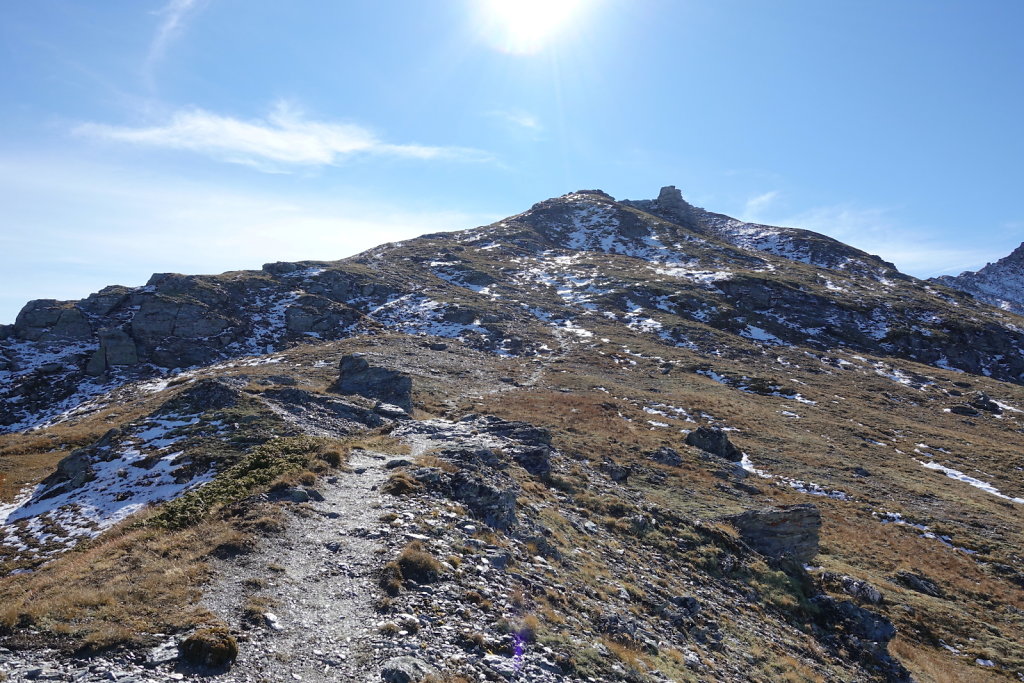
(419, 565)
(401, 483)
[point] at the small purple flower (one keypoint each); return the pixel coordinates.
(520, 650)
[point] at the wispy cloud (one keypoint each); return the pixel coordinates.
(756, 205)
(94, 211)
(172, 22)
(285, 138)
(519, 119)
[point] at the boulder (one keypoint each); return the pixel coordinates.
(981, 401)
(116, 348)
(359, 377)
(615, 471)
(406, 670)
(918, 582)
(48, 319)
(967, 411)
(35, 318)
(787, 532)
(666, 456)
(715, 441)
(534, 459)
(76, 469)
(213, 647)
(861, 590)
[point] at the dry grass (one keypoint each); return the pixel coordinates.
(401, 483)
(130, 583)
(417, 564)
(428, 460)
(931, 665)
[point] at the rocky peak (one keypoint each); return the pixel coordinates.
(1016, 256)
(999, 284)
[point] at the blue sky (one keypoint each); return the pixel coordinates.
(142, 136)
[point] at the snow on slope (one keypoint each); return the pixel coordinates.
(143, 467)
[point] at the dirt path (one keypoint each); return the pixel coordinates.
(319, 577)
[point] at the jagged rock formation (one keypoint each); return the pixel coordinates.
(799, 245)
(714, 440)
(1000, 284)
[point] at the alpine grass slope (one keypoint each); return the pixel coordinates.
(599, 440)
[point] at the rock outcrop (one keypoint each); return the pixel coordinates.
(1000, 284)
(780, 533)
(359, 377)
(714, 440)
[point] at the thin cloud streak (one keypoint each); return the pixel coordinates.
(112, 226)
(519, 119)
(285, 138)
(755, 205)
(171, 26)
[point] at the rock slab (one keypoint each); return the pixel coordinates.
(359, 377)
(786, 532)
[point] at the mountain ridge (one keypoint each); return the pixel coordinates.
(179, 321)
(586, 442)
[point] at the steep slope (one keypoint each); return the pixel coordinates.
(999, 284)
(639, 449)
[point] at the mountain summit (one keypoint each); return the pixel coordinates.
(598, 440)
(999, 284)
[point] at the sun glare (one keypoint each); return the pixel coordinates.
(526, 26)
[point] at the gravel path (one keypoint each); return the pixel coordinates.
(320, 575)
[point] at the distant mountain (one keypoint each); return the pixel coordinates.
(1000, 284)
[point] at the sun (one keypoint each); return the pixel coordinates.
(526, 26)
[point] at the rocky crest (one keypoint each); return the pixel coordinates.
(697, 270)
(1000, 284)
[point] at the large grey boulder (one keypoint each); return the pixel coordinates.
(48, 319)
(666, 456)
(76, 469)
(406, 670)
(787, 532)
(359, 377)
(117, 348)
(715, 441)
